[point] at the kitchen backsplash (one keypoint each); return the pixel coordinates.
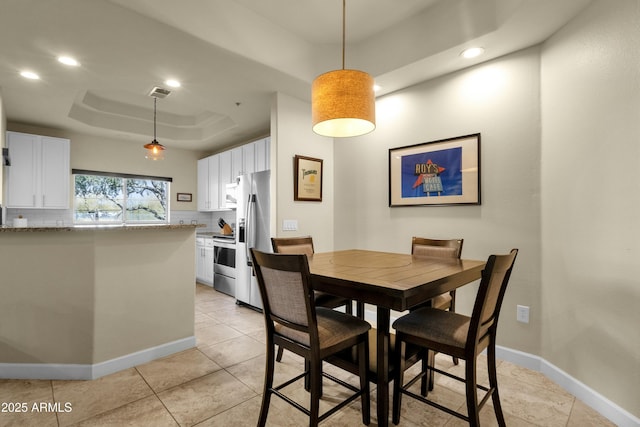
(64, 217)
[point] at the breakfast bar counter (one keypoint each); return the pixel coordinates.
(129, 227)
(82, 302)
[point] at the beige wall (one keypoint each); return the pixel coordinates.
(499, 99)
(291, 134)
(95, 295)
(591, 199)
(3, 127)
(144, 292)
(126, 156)
(560, 134)
(47, 312)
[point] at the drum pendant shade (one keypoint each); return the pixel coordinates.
(343, 104)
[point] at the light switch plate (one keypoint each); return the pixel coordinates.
(522, 313)
(289, 225)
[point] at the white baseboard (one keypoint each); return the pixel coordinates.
(593, 399)
(61, 371)
(607, 408)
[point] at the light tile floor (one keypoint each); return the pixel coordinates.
(219, 383)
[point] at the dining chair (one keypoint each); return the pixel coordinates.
(294, 322)
(436, 248)
(439, 248)
(461, 336)
(304, 245)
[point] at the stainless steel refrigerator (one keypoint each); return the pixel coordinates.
(252, 223)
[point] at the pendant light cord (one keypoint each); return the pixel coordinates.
(344, 26)
(155, 101)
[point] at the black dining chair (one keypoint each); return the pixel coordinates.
(436, 248)
(304, 245)
(460, 336)
(294, 322)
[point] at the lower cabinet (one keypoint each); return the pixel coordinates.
(204, 260)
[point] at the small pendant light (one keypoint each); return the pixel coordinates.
(155, 150)
(343, 101)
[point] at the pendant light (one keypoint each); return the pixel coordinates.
(343, 101)
(155, 150)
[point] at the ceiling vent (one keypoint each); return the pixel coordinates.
(159, 92)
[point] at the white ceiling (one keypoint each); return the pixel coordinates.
(232, 55)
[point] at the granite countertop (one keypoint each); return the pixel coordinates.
(35, 229)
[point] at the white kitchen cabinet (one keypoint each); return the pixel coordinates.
(248, 158)
(236, 163)
(262, 151)
(256, 156)
(39, 175)
(215, 172)
(224, 176)
(208, 188)
(204, 260)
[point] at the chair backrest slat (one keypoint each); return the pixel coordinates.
(493, 285)
(424, 247)
(293, 245)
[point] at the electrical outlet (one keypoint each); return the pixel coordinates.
(522, 313)
(289, 225)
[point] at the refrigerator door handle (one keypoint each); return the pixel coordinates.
(249, 229)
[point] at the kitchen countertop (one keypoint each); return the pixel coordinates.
(36, 229)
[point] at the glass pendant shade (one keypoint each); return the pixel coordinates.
(343, 104)
(155, 150)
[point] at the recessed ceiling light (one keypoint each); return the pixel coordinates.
(172, 83)
(29, 75)
(472, 52)
(67, 60)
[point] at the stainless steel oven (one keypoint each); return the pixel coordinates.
(224, 264)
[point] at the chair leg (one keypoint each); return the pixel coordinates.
(268, 385)
(493, 383)
(349, 307)
(432, 362)
(279, 355)
(307, 378)
(471, 392)
(365, 399)
(316, 384)
(425, 380)
(452, 308)
(398, 381)
(360, 310)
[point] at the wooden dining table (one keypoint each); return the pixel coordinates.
(390, 281)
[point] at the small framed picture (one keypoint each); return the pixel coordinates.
(308, 179)
(184, 197)
(444, 172)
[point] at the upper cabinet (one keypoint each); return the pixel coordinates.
(39, 175)
(215, 172)
(255, 156)
(208, 189)
(262, 151)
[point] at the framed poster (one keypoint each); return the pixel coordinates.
(307, 181)
(444, 172)
(184, 197)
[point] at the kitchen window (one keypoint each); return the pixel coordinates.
(111, 198)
